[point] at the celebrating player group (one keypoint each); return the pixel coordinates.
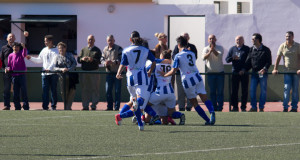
(150, 88)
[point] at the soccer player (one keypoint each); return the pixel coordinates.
(164, 92)
(191, 80)
(135, 57)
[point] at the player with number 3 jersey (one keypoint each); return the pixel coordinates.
(192, 82)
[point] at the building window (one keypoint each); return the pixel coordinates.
(239, 7)
(5, 29)
(217, 7)
(243, 7)
(221, 7)
(62, 27)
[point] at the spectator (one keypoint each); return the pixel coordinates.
(16, 63)
(181, 96)
(290, 51)
(111, 57)
(3, 42)
(49, 80)
(89, 58)
(162, 44)
(259, 60)
(66, 62)
(213, 56)
(238, 55)
(7, 79)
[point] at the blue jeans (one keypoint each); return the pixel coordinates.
(111, 80)
(49, 82)
(216, 86)
(291, 81)
(263, 90)
(20, 86)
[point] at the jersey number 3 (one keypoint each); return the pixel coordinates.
(191, 63)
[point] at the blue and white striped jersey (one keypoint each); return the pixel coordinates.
(186, 62)
(162, 81)
(152, 79)
(135, 57)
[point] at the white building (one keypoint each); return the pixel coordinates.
(74, 20)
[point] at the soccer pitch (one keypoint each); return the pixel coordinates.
(80, 135)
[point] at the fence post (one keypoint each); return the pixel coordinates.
(65, 90)
(229, 90)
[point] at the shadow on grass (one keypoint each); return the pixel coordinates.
(210, 131)
(220, 125)
(13, 136)
(55, 155)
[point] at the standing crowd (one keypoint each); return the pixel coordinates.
(152, 73)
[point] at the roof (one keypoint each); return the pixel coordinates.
(41, 20)
(76, 1)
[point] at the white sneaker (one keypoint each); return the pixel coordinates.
(134, 120)
(141, 128)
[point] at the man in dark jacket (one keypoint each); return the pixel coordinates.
(7, 79)
(238, 55)
(259, 60)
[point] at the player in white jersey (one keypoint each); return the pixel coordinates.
(164, 92)
(135, 57)
(192, 81)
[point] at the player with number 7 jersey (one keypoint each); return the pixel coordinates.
(135, 57)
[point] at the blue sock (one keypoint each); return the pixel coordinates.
(176, 115)
(126, 114)
(138, 116)
(125, 108)
(140, 101)
(201, 113)
(150, 111)
(209, 106)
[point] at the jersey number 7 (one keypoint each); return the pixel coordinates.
(138, 55)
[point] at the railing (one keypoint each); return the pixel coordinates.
(228, 74)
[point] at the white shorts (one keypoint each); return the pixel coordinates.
(193, 91)
(168, 100)
(141, 91)
(160, 109)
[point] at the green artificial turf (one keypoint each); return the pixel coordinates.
(80, 135)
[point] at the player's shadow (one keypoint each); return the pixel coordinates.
(55, 155)
(13, 136)
(221, 131)
(223, 125)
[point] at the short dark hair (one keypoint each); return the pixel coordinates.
(16, 44)
(166, 54)
(181, 41)
(135, 34)
(258, 36)
(49, 37)
(62, 44)
(290, 32)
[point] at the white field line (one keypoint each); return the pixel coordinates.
(182, 152)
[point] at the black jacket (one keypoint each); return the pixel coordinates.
(258, 59)
(191, 46)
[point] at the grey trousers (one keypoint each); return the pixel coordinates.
(90, 86)
(181, 97)
(70, 93)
